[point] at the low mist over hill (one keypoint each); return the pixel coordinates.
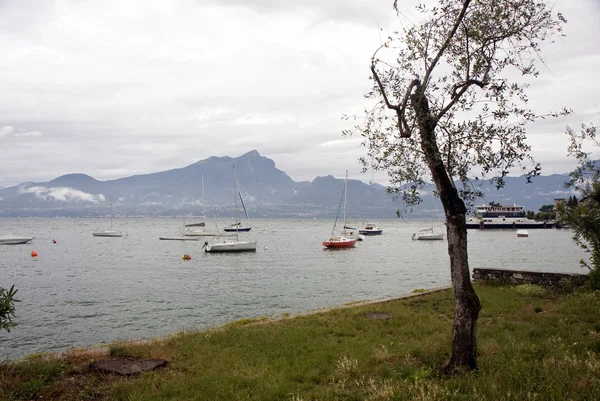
(266, 191)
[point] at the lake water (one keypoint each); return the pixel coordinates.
(87, 290)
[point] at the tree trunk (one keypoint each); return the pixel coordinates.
(466, 302)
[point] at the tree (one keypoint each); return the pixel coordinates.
(545, 216)
(447, 109)
(7, 308)
(584, 215)
(546, 212)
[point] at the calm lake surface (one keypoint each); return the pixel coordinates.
(87, 290)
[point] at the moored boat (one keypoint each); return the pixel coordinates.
(370, 229)
(11, 239)
(179, 238)
(236, 228)
(230, 244)
(342, 240)
(200, 233)
(495, 216)
(427, 234)
(339, 241)
(107, 233)
(189, 229)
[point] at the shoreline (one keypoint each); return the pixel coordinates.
(104, 349)
(533, 342)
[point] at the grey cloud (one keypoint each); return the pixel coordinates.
(114, 94)
(371, 13)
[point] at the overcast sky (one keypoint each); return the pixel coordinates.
(113, 88)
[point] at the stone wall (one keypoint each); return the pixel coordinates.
(546, 279)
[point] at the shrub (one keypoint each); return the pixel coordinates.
(530, 290)
(7, 308)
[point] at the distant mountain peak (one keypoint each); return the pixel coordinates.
(253, 153)
(324, 178)
(213, 159)
(75, 177)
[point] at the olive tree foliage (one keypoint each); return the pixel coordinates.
(7, 308)
(463, 58)
(450, 107)
(584, 216)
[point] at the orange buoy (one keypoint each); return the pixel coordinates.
(54, 241)
(186, 257)
(33, 253)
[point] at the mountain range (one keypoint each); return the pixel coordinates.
(267, 192)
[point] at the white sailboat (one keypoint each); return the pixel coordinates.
(342, 240)
(232, 244)
(181, 236)
(108, 233)
(428, 234)
(237, 226)
(190, 229)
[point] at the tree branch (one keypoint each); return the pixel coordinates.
(456, 96)
(385, 98)
(446, 43)
(466, 83)
(405, 130)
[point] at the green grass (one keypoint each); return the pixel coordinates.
(532, 345)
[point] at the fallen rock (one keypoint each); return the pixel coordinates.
(127, 367)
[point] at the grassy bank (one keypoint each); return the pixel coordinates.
(533, 344)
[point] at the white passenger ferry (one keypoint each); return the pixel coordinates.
(504, 216)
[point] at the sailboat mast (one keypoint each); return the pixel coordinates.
(183, 209)
(111, 218)
(235, 202)
(203, 208)
(345, 201)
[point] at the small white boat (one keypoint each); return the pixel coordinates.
(201, 224)
(179, 238)
(200, 233)
(229, 245)
(427, 234)
(191, 231)
(343, 240)
(522, 233)
(370, 229)
(108, 233)
(11, 239)
(231, 242)
(351, 233)
(358, 237)
(237, 227)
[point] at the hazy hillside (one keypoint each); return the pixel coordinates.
(266, 190)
